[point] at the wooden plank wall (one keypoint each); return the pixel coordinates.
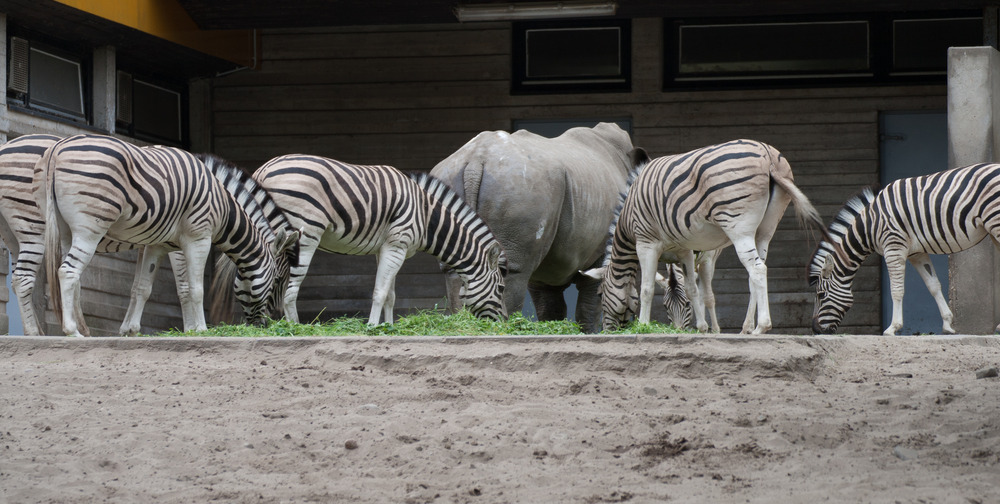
(408, 96)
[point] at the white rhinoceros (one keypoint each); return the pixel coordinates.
(549, 201)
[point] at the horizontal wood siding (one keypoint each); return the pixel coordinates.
(410, 96)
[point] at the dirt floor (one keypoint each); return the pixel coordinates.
(493, 420)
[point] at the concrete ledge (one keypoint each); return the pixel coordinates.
(194, 343)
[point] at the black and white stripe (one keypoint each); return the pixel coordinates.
(941, 213)
(377, 210)
(22, 225)
(701, 200)
(272, 223)
(98, 187)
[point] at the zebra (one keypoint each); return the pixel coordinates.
(92, 187)
(675, 300)
(705, 199)
(377, 210)
(21, 224)
(22, 228)
(940, 213)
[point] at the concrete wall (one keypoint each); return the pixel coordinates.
(974, 137)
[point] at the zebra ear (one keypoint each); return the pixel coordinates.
(827, 267)
(595, 273)
(661, 280)
(493, 255)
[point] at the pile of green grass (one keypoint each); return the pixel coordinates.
(424, 323)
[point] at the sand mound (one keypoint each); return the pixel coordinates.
(531, 419)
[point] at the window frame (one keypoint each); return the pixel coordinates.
(24, 102)
(129, 127)
(522, 84)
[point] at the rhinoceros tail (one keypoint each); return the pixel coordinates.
(472, 178)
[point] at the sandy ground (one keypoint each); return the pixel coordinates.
(493, 420)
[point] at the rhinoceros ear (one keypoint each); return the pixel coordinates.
(595, 273)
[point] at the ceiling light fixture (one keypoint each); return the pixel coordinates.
(533, 10)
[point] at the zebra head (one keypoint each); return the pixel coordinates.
(836, 261)
(618, 293)
(833, 292)
(675, 299)
(482, 293)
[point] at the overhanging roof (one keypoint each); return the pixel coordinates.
(236, 14)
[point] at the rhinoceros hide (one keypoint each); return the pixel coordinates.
(549, 201)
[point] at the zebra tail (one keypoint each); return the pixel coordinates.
(53, 246)
(223, 294)
(805, 211)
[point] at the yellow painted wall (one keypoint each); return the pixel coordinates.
(168, 20)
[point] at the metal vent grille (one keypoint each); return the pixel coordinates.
(123, 108)
(19, 59)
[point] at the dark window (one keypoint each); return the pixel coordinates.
(47, 79)
(773, 49)
(571, 56)
(156, 111)
(921, 45)
(150, 110)
(838, 50)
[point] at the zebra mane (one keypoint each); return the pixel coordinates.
(632, 175)
(254, 199)
(439, 191)
(838, 229)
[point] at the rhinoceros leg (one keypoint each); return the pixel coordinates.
(549, 301)
(588, 304)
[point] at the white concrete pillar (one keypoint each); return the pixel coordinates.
(105, 88)
(974, 137)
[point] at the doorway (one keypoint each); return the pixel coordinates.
(913, 144)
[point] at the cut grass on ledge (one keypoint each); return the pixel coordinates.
(424, 323)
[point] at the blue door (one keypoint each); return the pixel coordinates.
(913, 144)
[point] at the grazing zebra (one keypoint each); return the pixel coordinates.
(705, 199)
(940, 213)
(93, 187)
(675, 300)
(23, 228)
(364, 210)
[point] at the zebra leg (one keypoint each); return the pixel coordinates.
(649, 257)
(895, 262)
(746, 249)
(74, 262)
(142, 286)
(196, 253)
(706, 271)
(26, 282)
(922, 262)
(178, 264)
(694, 291)
(307, 249)
(390, 260)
